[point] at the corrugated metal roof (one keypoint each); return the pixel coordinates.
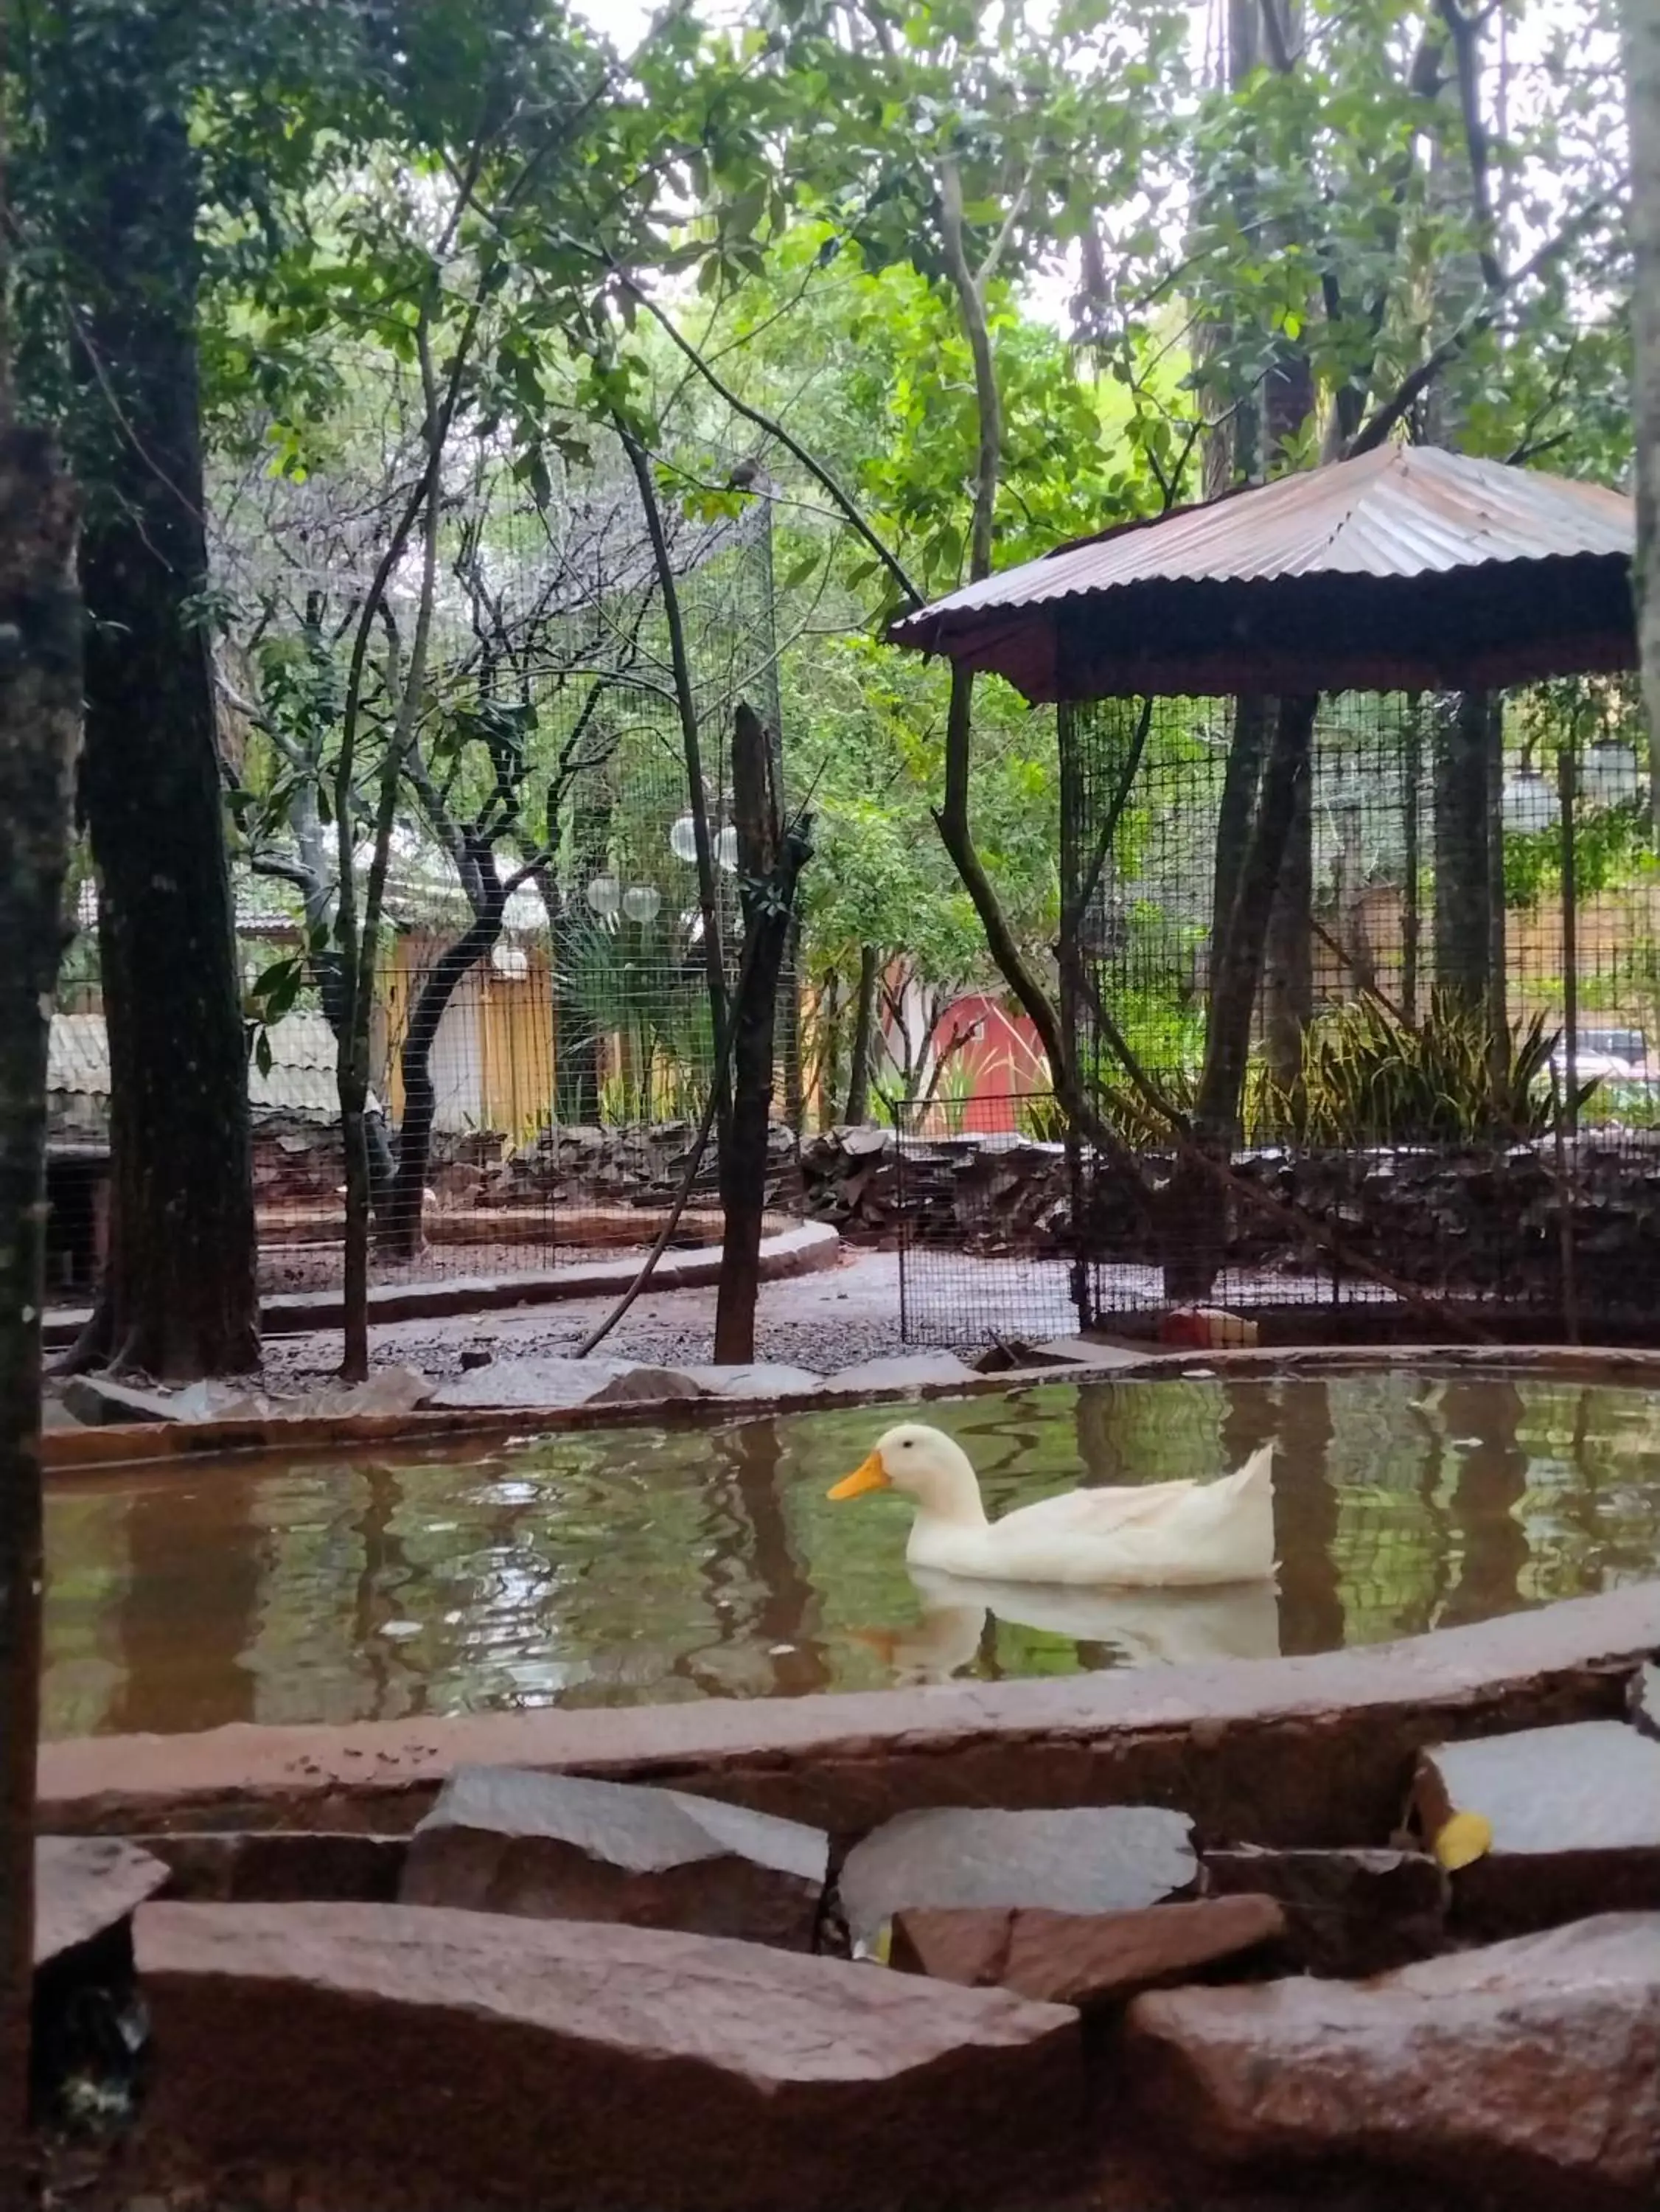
(1400, 514)
(1400, 511)
(301, 1078)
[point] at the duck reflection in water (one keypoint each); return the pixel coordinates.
(1141, 1628)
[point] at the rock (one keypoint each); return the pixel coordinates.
(1083, 1958)
(558, 1847)
(861, 1142)
(762, 1379)
(1085, 1860)
(901, 1370)
(536, 1381)
(474, 1356)
(84, 1886)
(1347, 1912)
(279, 1866)
(1531, 2068)
(439, 2061)
(1644, 1700)
(97, 1402)
(388, 1390)
(647, 1385)
(1575, 1815)
(1090, 1351)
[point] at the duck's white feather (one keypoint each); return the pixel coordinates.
(1168, 1535)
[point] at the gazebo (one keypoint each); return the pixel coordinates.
(1303, 732)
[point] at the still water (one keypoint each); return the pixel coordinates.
(616, 1569)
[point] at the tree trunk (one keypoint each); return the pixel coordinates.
(401, 1227)
(830, 1014)
(1642, 51)
(40, 725)
(1465, 860)
(1288, 974)
(769, 861)
(864, 1017)
(790, 1038)
(180, 1300)
(1196, 1205)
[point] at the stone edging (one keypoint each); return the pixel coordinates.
(1299, 1751)
(66, 1451)
(802, 1251)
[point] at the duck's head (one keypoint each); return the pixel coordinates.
(927, 1466)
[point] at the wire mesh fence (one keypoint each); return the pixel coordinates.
(542, 1039)
(1368, 1021)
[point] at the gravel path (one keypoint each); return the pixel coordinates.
(822, 1322)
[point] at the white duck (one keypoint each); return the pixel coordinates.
(1164, 1535)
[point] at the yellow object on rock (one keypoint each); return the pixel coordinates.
(1462, 1840)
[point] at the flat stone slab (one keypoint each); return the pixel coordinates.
(763, 1379)
(439, 2061)
(97, 1401)
(1085, 1960)
(1575, 1816)
(85, 1885)
(901, 1370)
(1085, 1860)
(1533, 2066)
(560, 1847)
(1347, 1912)
(532, 1382)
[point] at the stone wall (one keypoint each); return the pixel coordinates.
(1479, 1219)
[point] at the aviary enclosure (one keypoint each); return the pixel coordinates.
(1359, 946)
(542, 1032)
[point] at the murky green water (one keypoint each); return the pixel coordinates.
(610, 1569)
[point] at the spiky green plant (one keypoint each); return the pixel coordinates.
(1371, 1077)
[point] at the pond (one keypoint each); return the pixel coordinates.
(639, 1565)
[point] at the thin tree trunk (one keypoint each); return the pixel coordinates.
(1641, 23)
(769, 860)
(830, 1014)
(1465, 860)
(1196, 1201)
(790, 1039)
(1288, 975)
(691, 744)
(40, 727)
(864, 1017)
(401, 1230)
(181, 1297)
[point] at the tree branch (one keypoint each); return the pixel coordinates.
(844, 501)
(1384, 418)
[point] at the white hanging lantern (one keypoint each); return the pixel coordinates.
(640, 902)
(726, 849)
(1610, 775)
(604, 896)
(683, 839)
(1529, 800)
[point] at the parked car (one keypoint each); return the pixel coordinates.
(1618, 1061)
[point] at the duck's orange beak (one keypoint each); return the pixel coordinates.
(870, 1474)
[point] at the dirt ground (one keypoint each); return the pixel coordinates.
(822, 1322)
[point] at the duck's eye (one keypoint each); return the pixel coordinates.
(909, 1441)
